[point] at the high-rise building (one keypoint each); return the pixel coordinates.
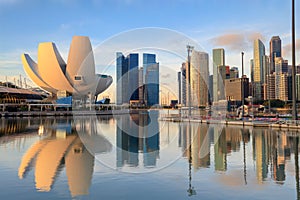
(151, 74)
(127, 78)
(199, 79)
(258, 69)
(211, 93)
(252, 70)
(141, 85)
(298, 87)
(218, 60)
(281, 79)
(275, 51)
(271, 86)
(233, 88)
(122, 80)
(221, 82)
(281, 65)
(183, 84)
(179, 87)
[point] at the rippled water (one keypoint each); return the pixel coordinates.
(138, 157)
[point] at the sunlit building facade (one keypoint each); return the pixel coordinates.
(259, 69)
(199, 79)
(218, 60)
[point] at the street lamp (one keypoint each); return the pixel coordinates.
(242, 80)
(294, 111)
(189, 50)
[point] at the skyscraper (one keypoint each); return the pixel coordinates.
(127, 78)
(258, 69)
(141, 85)
(199, 79)
(275, 51)
(281, 79)
(122, 79)
(183, 84)
(151, 74)
(218, 60)
(179, 86)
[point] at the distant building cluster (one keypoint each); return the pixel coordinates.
(206, 89)
(271, 75)
(270, 79)
(137, 85)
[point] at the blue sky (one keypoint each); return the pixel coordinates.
(231, 24)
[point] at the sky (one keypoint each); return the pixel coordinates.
(228, 24)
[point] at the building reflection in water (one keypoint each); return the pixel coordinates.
(270, 148)
(62, 140)
(137, 133)
(62, 147)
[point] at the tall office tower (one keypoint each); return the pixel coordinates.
(281, 87)
(281, 65)
(221, 83)
(199, 79)
(281, 79)
(275, 51)
(179, 86)
(151, 74)
(271, 86)
(133, 79)
(127, 78)
(252, 70)
(297, 87)
(122, 79)
(218, 60)
(211, 93)
(258, 69)
(183, 83)
(141, 85)
(266, 64)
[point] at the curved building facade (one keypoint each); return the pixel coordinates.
(77, 77)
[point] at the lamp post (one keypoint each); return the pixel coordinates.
(189, 50)
(294, 111)
(242, 80)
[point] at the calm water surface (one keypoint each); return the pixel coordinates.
(138, 157)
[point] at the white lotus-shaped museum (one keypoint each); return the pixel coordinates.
(77, 77)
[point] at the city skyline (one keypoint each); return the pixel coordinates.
(234, 34)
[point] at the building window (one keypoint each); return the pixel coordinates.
(78, 78)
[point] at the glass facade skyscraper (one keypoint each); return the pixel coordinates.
(218, 60)
(151, 74)
(275, 51)
(127, 78)
(259, 69)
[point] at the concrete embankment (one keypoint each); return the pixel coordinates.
(65, 113)
(274, 125)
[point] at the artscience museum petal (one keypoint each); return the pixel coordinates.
(76, 77)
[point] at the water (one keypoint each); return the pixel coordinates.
(138, 157)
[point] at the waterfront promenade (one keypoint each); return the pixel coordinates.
(278, 124)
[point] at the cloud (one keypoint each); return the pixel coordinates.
(166, 75)
(287, 49)
(237, 41)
